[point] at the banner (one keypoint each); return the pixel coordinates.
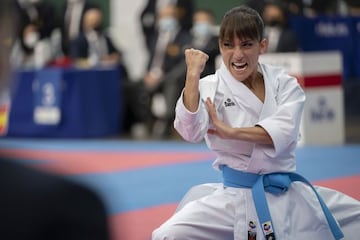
(47, 96)
(325, 33)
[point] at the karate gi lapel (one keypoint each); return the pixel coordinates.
(242, 94)
(270, 104)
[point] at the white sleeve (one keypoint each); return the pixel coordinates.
(284, 124)
(192, 126)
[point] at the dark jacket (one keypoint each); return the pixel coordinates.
(61, 23)
(287, 41)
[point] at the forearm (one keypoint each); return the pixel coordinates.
(191, 91)
(192, 126)
(255, 134)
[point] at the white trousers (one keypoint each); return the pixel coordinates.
(210, 211)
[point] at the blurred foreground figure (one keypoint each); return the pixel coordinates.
(35, 205)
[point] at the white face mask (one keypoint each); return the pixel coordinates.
(31, 39)
(168, 24)
(202, 29)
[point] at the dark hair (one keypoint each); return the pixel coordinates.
(242, 22)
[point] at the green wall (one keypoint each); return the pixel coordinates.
(219, 7)
(103, 4)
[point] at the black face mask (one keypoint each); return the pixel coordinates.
(98, 28)
(274, 23)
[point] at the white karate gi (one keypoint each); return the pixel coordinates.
(226, 213)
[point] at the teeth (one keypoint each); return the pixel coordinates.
(240, 66)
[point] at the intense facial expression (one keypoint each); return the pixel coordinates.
(241, 56)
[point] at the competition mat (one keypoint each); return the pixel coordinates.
(141, 182)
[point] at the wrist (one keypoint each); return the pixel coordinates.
(193, 74)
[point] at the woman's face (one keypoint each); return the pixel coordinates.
(241, 56)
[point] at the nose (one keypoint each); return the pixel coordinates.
(238, 52)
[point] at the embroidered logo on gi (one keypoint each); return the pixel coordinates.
(252, 230)
(267, 227)
(252, 225)
(229, 103)
(268, 231)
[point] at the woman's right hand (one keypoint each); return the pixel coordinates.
(195, 61)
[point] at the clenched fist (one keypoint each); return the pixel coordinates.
(195, 61)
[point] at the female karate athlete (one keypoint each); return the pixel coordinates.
(249, 114)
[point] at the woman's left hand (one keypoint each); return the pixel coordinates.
(221, 129)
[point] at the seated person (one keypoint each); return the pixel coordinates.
(93, 47)
(280, 36)
(29, 51)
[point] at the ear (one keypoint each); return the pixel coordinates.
(263, 45)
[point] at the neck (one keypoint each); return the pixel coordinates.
(253, 80)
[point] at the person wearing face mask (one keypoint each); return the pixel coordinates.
(280, 36)
(204, 38)
(37, 12)
(32, 46)
(69, 21)
(30, 51)
(165, 74)
(149, 14)
(93, 47)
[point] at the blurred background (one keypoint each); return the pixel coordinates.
(95, 68)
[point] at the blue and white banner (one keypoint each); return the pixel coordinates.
(47, 96)
(325, 33)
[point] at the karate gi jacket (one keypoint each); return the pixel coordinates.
(237, 106)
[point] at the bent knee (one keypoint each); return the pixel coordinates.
(168, 233)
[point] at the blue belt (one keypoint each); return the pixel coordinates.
(275, 183)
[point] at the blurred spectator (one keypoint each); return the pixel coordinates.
(30, 51)
(70, 21)
(280, 36)
(204, 37)
(322, 7)
(184, 9)
(293, 7)
(37, 12)
(33, 45)
(92, 46)
(163, 82)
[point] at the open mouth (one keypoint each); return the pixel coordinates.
(239, 66)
